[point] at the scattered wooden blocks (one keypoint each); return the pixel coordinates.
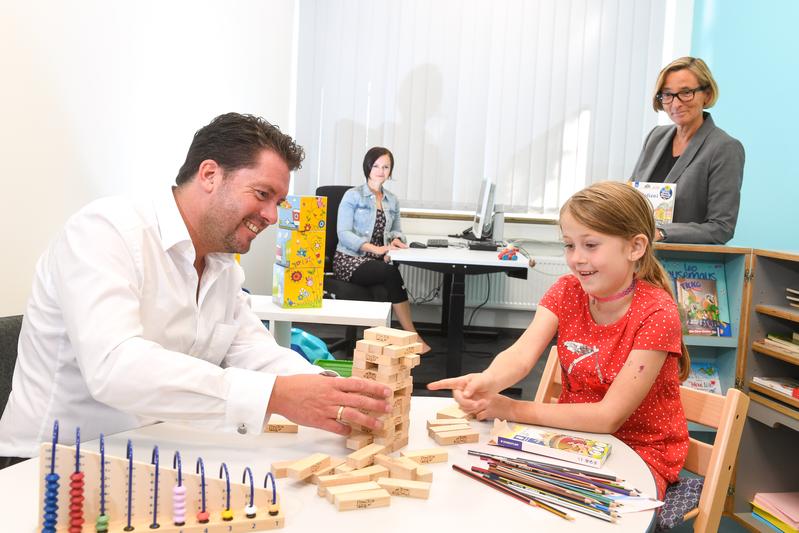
(430, 455)
(337, 490)
(363, 500)
(280, 468)
(404, 487)
(364, 456)
(279, 424)
(452, 411)
(305, 467)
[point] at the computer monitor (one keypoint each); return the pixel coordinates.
(482, 228)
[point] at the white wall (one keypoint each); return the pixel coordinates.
(100, 98)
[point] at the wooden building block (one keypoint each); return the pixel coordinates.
(343, 469)
(427, 456)
(452, 411)
(364, 456)
(363, 500)
(280, 424)
(404, 349)
(432, 430)
(328, 470)
(392, 336)
(447, 422)
(340, 479)
(399, 443)
(280, 468)
(305, 467)
(370, 346)
(382, 359)
(358, 440)
(411, 360)
(424, 474)
(407, 383)
(334, 490)
(405, 487)
(456, 437)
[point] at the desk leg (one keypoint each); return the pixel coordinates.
(457, 301)
(281, 331)
(445, 303)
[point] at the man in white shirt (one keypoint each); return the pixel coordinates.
(137, 313)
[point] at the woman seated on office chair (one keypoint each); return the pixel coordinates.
(368, 227)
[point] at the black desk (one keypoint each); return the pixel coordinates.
(456, 264)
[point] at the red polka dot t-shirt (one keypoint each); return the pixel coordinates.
(591, 356)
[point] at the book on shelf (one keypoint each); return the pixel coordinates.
(771, 521)
(782, 342)
(698, 299)
(788, 386)
(795, 336)
(792, 292)
(561, 446)
(701, 315)
(704, 376)
(784, 506)
(661, 197)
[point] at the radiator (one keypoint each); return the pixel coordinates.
(425, 286)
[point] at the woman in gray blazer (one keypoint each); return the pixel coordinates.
(703, 161)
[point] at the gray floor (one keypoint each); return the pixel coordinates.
(476, 357)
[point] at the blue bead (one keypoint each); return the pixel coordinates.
(49, 477)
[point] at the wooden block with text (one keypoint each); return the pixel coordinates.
(363, 500)
(456, 437)
(305, 467)
(280, 424)
(397, 337)
(405, 487)
(452, 411)
(427, 456)
(358, 440)
(364, 456)
(336, 490)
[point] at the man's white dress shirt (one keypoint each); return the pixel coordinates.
(116, 334)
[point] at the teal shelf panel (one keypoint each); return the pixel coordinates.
(717, 342)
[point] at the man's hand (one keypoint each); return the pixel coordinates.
(314, 400)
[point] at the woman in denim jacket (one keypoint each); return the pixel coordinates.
(368, 227)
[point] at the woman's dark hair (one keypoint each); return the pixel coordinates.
(234, 141)
(373, 155)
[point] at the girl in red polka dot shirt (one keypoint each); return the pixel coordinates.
(618, 336)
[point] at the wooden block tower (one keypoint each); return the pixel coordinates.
(387, 356)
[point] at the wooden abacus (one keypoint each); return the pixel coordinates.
(128, 495)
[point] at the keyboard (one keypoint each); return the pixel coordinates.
(437, 243)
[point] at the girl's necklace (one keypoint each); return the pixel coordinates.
(618, 295)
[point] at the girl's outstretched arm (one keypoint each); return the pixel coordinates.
(625, 394)
(508, 368)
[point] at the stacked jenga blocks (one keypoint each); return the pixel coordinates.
(451, 427)
(387, 356)
(298, 273)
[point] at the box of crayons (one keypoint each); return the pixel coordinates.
(558, 445)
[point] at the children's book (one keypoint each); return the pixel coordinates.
(783, 342)
(661, 196)
(558, 445)
(704, 376)
(709, 316)
(787, 386)
(698, 299)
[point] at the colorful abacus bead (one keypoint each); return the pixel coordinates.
(76, 502)
(227, 515)
(179, 505)
(101, 526)
(50, 503)
(203, 517)
(250, 511)
(274, 509)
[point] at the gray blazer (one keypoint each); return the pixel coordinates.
(708, 175)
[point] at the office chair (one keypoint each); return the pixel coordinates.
(9, 338)
(689, 498)
(335, 288)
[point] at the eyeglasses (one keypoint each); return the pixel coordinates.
(685, 96)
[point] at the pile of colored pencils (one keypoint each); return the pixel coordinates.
(553, 488)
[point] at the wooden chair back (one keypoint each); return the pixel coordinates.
(725, 414)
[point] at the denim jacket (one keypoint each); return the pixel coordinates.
(356, 219)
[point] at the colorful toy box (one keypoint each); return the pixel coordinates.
(303, 213)
(297, 287)
(300, 249)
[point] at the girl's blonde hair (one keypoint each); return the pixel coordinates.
(617, 209)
